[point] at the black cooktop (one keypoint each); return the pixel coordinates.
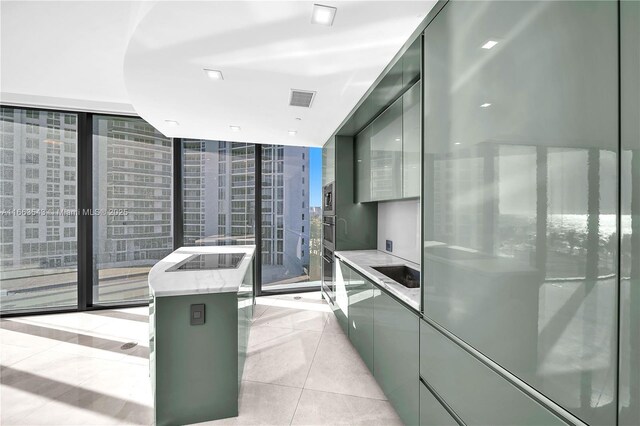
(201, 262)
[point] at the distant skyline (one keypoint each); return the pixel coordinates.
(315, 177)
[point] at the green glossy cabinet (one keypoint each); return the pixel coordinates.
(360, 292)
(363, 165)
(396, 355)
(388, 152)
(432, 413)
(329, 162)
(471, 389)
(341, 305)
(196, 370)
(411, 142)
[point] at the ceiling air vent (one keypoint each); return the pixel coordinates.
(301, 98)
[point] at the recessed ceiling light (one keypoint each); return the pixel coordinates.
(397, 139)
(323, 15)
(457, 143)
(171, 122)
(489, 44)
(214, 74)
(235, 128)
(485, 105)
(292, 132)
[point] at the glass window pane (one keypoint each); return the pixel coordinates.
(38, 255)
(133, 203)
(291, 217)
(218, 192)
(520, 192)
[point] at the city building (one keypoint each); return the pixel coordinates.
(219, 200)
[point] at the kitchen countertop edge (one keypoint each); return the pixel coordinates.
(364, 260)
(166, 284)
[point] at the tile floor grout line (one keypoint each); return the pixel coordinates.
(269, 383)
(286, 328)
(347, 394)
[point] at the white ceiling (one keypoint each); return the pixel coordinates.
(66, 54)
(147, 58)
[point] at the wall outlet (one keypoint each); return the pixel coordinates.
(197, 314)
(389, 246)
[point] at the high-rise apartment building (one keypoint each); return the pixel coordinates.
(132, 171)
(38, 180)
(219, 199)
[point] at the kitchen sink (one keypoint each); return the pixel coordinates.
(401, 274)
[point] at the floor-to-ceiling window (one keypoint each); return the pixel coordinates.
(132, 202)
(218, 192)
(291, 217)
(38, 262)
(129, 169)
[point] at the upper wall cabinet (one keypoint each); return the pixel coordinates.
(520, 214)
(402, 75)
(411, 142)
(329, 162)
(363, 165)
(388, 152)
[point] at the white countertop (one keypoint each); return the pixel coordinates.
(363, 260)
(178, 283)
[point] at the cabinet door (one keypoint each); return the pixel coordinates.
(361, 317)
(342, 280)
(396, 355)
(521, 172)
(411, 142)
(386, 154)
(411, 62)
(328, 162)
(432, 413)
(363, 165)
(245, 316)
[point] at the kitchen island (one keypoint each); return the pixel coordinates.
(200, 311)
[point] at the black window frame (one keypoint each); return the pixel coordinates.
(85, 237)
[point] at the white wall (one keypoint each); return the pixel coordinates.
(399, 221)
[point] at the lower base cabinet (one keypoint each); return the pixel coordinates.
(341, 305)
(386, 335)
(477, 394)
(432, 413)
(396, 355)
(361, 316)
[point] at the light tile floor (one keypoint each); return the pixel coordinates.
(71, 369)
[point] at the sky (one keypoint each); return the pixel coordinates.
(315, 177)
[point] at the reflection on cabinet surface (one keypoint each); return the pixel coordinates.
(396, 355)
(476, 393)
(329, 162)
(629, 394)
(361, 316)
(388, 152)
(411, 142)
(521, 177)
(363, 165)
